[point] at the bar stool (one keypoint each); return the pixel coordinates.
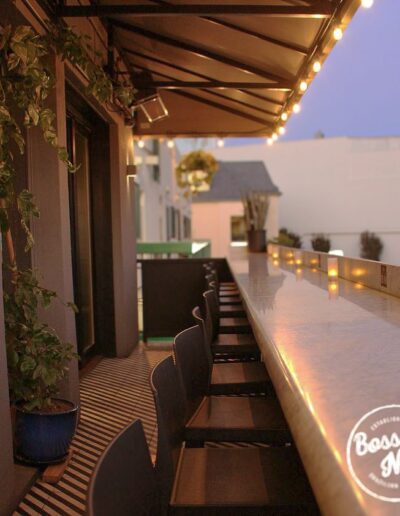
(225, 309)
(249, 377)
(240, 346)
(221, 481)
(221, 418)
(124, 481)
(224, 324)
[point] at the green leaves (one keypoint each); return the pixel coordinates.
(37, 358)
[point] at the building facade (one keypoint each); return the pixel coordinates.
(336, 186)
(85, 237)
(163, 211)
(217, 214)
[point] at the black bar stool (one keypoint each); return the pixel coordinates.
(222, 418)
(222, 481)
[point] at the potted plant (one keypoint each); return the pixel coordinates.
(37, 362)
(371, 246)
(288, 239)
(195, 171)
(321, 243)
(256, 206)
(37, 358)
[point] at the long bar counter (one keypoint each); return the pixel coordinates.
(333, 355)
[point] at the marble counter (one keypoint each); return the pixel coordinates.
(333, 356)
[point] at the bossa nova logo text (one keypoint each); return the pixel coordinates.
(373, 453)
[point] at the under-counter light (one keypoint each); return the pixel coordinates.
(316, 66)
(303, 86)
(333, 268)
(298, 257)
(296, 108)
(338, 34)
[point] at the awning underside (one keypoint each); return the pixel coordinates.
(221, 68)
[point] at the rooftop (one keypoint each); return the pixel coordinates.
(235, 178)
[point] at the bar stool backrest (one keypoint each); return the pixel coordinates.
(170, 409)
(124, 481)
(206, 327)
(193, 366)
(211, 316)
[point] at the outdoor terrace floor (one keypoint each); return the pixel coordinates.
(115, 392)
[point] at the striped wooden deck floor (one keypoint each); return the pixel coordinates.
(114, 393)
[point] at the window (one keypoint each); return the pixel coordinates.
(238, 229)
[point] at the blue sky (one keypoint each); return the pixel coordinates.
(357, 91)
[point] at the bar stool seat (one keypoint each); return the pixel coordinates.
(228, 293)
(241, 482)
(234, 325)
(239, 378)
(231, 300)
(242, 343)
(235, 418)
(231, 311)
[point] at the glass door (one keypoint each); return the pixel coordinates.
(81, 235)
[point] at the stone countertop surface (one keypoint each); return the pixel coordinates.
(333, 354)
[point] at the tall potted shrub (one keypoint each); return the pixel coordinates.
(255, 205)
(321, 243)
(371, 246)
(37, 358)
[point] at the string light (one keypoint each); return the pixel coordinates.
(270, 141)
(303, 86)
(282, 130)
(367, 3)
(274, 137)
(141, 144)
(284, 116)
(296, 108)
(338, 34)
(220, 142)
(316, 66)
(170, 144)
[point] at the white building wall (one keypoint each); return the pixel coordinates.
(212, 221)
(156, 196)
(338, 186)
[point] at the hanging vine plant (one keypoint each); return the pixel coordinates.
(36, 355)
(196, 170)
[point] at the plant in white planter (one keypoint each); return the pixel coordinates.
(256, 205)
(37, 358)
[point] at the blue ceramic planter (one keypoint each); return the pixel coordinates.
(42, 437)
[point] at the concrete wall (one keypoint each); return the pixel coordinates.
(156, 196)
(212, 221)
(337, 186)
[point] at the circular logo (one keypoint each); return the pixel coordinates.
(373, 453)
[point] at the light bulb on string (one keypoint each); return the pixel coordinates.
(303, 86)
(317, 66)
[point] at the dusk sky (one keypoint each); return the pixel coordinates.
(356, 92)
